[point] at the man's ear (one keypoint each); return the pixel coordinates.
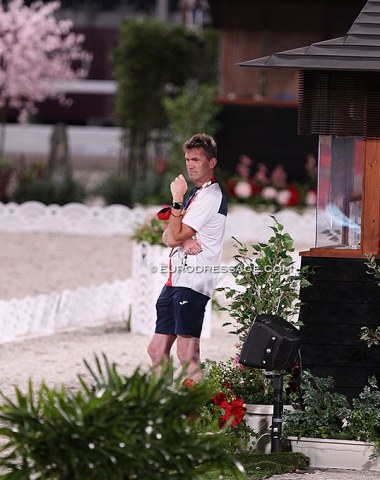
(213, 162)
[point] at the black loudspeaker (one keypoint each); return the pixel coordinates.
(272, 344)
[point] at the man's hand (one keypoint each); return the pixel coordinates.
(177, 232)
(191, 247)
(178, 188)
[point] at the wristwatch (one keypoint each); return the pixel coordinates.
(177, 205)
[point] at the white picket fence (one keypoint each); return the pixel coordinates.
(49, 313)
(77, 218)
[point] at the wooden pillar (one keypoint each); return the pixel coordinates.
(371, 198)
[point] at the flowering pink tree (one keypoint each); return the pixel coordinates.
(36, 50)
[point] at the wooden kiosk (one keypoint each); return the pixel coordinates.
(339, 100)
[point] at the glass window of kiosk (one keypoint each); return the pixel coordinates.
(339, 203)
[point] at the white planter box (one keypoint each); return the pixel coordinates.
(149, 275)
(332, 453)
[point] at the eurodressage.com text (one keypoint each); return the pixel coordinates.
(255, 269)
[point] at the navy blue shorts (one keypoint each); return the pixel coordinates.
(180, 311)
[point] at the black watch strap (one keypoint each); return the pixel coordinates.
(177, 205)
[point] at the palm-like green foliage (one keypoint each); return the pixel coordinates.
(113, 427)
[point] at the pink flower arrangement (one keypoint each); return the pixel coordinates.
(272, 188)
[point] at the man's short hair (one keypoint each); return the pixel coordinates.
(204, 141)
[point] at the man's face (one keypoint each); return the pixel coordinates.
(199, 168)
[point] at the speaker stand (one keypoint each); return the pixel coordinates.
(276, 428)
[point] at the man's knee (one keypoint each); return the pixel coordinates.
(156, 353)
(152, 351)
(188, 353)
(187, 357)
(159, 348)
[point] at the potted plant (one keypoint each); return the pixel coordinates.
(266, 281)
(330, 430)
(256, 391)
(250, 384)
(256, 394)
(226, 406)
(150, 231)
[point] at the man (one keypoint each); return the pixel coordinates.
(195, 233)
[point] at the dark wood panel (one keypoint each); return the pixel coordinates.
(341, 356)
(342, 292)
(352, 378)
(332, 269)
(341, 299)
(323, 334)
(287, 15)
(345, 313)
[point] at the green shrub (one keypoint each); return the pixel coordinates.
(251, 384)
(322, 413)
(150, 59)
(364, 418)
(192, 110)
(150, 231)
(116, 190)
(325, 413)
(154, 188)
(48, 192)
(113, 428)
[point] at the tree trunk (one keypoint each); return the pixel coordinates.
(124, 153)
(133, 164)
(59, 167)
(3, 126)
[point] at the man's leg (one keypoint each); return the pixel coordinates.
(162, 341)
(159, 348)
(188, 352)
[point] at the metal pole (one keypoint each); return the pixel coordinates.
(276, 429)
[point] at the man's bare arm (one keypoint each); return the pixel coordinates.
(177, 232)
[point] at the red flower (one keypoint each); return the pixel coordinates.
(230, 186)
(235, 408)
(227, 385)
(256, 188)
(294, 198)
(221, 400)
(189, 383)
